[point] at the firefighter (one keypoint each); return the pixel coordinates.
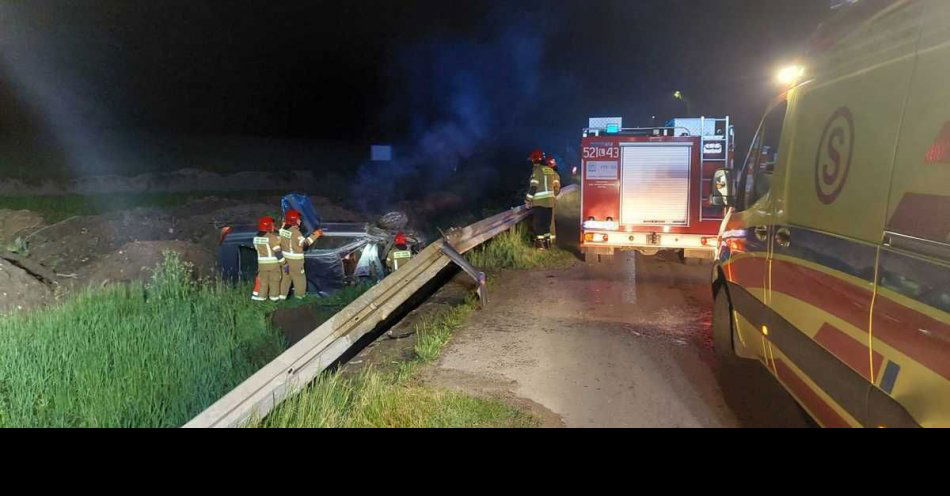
(399, 254)
(293, 244)
(544, 185)
(269, 261)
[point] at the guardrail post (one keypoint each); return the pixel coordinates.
(469, 269)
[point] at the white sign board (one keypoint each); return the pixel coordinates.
(602, 170)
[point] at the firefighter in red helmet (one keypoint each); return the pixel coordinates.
(536, 157)
(544, 185)
(399, 254)
(293, 244)
(269, 261)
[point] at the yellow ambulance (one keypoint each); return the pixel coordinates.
(833, 262)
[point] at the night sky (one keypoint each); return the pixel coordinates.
(436, 77)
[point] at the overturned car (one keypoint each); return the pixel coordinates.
(347, 253)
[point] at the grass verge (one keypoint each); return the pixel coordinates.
(132, 355)
(395, 398)
(513, 250)
(138, 355)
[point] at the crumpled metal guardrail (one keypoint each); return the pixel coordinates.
(301, 363)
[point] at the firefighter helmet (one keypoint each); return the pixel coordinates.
(265, 224)
(400, 239)
(536, 156)
(551, 162)
(291, 217)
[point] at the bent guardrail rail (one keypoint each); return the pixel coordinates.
(301, 363)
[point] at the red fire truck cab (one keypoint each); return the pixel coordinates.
(648, 189)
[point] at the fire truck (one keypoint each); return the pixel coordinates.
(648, 189)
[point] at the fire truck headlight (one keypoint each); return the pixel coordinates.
(790, 75)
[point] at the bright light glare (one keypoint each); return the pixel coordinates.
(790, 75)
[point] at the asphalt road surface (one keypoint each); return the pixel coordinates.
(624, 344)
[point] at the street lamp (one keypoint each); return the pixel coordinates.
(679, 95)
(790, 75)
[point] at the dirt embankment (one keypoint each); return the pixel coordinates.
(41, 262)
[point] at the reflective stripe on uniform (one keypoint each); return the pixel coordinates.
(544, 194)
(293, 256)
(257, 298)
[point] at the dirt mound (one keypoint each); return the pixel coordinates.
(76, 242)
(19, 290)
(330, 212)
(116, 246)
(134, 262)
(15, 223)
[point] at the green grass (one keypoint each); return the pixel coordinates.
(55, 208)
(139, 355)
(513, 249)
(395, 398)
(133, 355)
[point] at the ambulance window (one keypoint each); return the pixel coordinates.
(756, 176)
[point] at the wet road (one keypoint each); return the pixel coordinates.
(626, 344)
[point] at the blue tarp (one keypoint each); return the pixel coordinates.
(301, 203)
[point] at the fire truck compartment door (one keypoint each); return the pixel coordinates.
(655, 184)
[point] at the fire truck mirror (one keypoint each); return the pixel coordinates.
(722, 188)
